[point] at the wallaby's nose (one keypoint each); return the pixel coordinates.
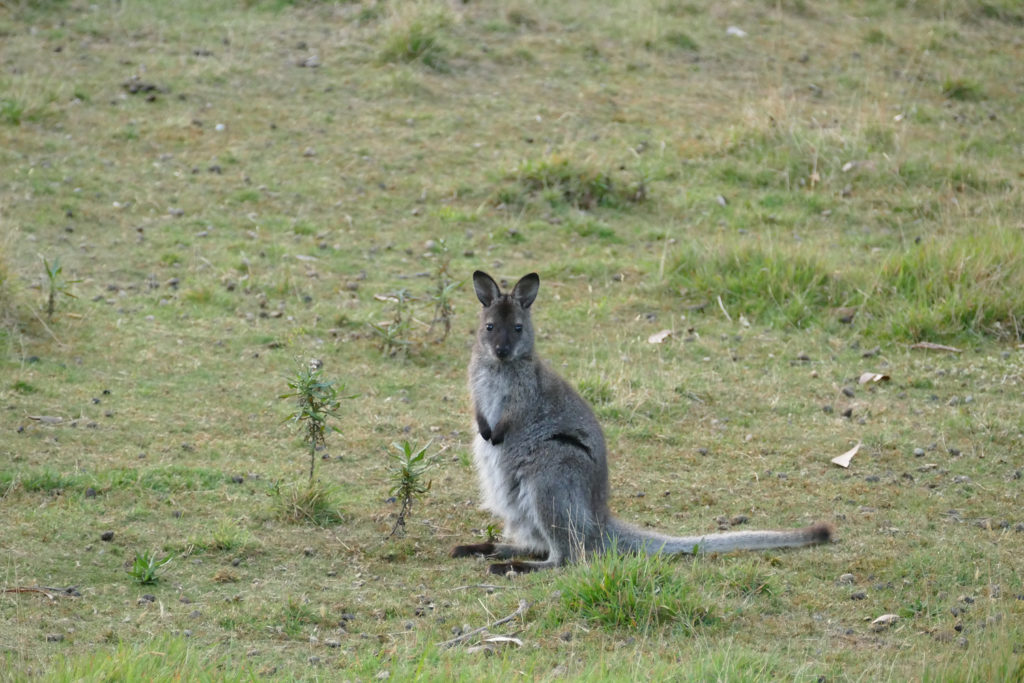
(502, 351)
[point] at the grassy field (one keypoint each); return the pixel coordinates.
(736, 209)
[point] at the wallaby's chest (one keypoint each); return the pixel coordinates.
(495, 392)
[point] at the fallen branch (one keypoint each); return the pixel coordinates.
(69, 592)
(458, 640)
(931, 346)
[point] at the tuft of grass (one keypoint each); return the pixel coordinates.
(416, 32)
(681, 40)
(161, 659)
(945, 288)
(11, 111)
(765, 284)
(312, 503)
(962, 90)
(36, 480)
(559, 180)
(632, 593)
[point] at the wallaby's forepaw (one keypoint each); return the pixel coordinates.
(513, 568)
(483, 427)
(473, 549)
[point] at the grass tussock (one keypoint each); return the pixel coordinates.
(163, 659)
(935, 290)
(944, 288)
(633, 592)
(560, 181)
(770, 285)
(310, 503)
(417, 32)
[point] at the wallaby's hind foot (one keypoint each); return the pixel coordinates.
(473, 549)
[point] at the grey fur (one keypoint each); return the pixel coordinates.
(541, 459)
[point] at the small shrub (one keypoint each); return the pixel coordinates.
(317, 399)
(407, 476)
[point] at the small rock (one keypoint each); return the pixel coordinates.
(313, 659)
(848, 392)
(107, 536)
(918, 452)
(847, 578)
(308, 551)
(858, 595)
(54, 637)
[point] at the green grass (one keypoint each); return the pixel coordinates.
(633, 594)
(837, 179)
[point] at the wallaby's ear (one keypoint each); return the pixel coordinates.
(525, 290)
(487, 289)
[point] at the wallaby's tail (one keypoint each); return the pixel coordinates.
(629, 538)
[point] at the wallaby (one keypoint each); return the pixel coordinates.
(540, 455)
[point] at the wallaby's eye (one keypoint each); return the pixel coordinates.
(490, 327)
(519, 328)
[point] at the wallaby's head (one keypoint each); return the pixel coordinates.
(506, 332)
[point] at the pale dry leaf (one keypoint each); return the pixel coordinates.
(844, 459)
(659, 337)
(872, 377)
(884, 621)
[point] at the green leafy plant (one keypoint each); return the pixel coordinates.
(56, 285)
(146, 567)
(407, 476)
(444, 287)
(317, 399)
